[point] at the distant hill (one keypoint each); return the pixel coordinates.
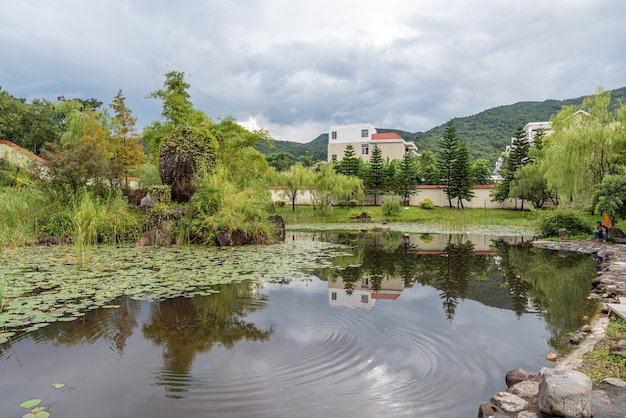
(487, 133)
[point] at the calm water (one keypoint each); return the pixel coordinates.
(397, 326)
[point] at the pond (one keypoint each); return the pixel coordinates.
(351, 324)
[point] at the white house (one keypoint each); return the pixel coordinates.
(363, 137)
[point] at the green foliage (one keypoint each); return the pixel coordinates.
(462, 186)
(76, 166)
(530, 184)
(161, 192)
(481, 171)
(586, 145)
(280, 203)
(375, 178)
(148, 175)
(353, 203)
(22, 212)
(446, 155)
(427, 204)
(550, 221)
(391, 206)
(610, 197)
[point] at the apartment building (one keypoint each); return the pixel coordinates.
(363, 137)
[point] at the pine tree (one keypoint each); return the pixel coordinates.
(128, 150)
(462, 179)
(408, 178)
(375, 180)
(448, 148)
(349, 165)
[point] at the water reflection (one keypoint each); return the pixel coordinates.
(185, 327)
(443, 318)
(503, 272)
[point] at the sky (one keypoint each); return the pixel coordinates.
(295, 68)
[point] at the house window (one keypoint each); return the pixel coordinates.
(333, 158)
(333, 135)
(364, 282)
(333, 295)
(365, 133)
(364, 298)
(365, 149)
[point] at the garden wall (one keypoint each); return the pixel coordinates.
(481, 200)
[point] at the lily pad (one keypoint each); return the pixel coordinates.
(31, 403)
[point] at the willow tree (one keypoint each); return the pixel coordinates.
(586, 145)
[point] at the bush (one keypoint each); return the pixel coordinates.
(550, 221)
(427, 204)
(391, 206)
(353, 203)
(341, 204)
(280, 203)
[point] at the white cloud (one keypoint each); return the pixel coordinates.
(298, 68)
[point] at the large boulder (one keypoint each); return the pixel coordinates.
(177, 170)
(155, 238)
(565, 393)
(135, 196)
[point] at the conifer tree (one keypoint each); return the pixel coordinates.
(375, 179)
(408, 178)
(462, 184)
(125, 137)
(350, 164)
(448, 148)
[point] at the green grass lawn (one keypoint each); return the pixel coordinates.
(307, 214)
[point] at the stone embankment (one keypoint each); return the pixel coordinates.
(562, 391)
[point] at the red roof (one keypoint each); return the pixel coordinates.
(22, 150)
(389, 296)
(386, 135)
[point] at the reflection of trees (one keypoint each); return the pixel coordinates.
(515, 261)
(453, 274)
(113, 325)
(557, 285)
(189, 326)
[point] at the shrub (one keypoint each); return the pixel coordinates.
(280, 203)
(427, 204)
(550, 221)
(391, 206)
(353, 203)
(341, 203)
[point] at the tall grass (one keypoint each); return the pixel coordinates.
(21, 213)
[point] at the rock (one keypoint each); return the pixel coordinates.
(135, 196)
(619, 348)
(609, 398)
(565, 393)
(148, 202)
(513, 377)
(280, 223)
(155, 238)
(176, 167)
(552, 356)
(562, 233)
(585, 329)
(527, 390)
(527, 414)
(509, 402)
(236, 237)
(574, 339)
(489, 410)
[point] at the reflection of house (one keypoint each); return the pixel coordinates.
(363, 295)
(363, 138)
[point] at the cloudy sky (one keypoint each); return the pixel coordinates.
(297, 67)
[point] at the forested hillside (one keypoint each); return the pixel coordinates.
(486, 133)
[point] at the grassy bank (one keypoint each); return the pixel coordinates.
(308, 214)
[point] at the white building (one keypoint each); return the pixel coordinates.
(363, 137)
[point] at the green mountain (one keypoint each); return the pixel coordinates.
(487, 133)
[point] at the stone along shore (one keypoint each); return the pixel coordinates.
(562, 391)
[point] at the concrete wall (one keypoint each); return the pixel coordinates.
(17, 155)
(481, 199)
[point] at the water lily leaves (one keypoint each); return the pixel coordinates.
(58, 385)
(73, 286)
(30, 403)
